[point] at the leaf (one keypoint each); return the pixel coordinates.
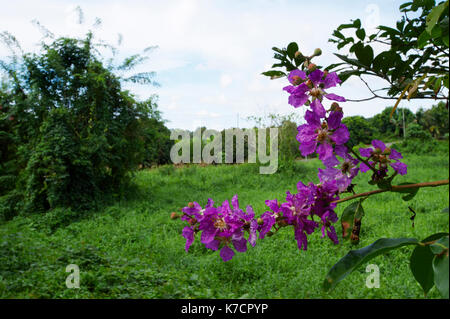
(291, 49)
(365, 55)
(445, 210)
(361, 34)
(410, 191)
(421, 261)
(399, 99)
(439, 246)
(355, 258)
(422, 40)
(434, 15)
(348, 217)
(440, 269)
(274, 74)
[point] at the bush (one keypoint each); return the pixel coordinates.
(73, 134)
(414, 130)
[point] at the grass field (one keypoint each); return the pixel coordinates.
(133, 250)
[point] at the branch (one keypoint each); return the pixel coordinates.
(393, 189)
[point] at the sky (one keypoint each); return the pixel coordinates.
(210, 53)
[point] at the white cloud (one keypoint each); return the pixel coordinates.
(225, 80)
(208, 47)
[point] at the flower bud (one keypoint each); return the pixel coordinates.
(317, 52)
(174, 216)
(260, 221)
(11, 118)
(298, 55)
(191, 205)
(312, 67)
(335, 107)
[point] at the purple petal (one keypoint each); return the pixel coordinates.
(334, 97)
(341, 135)
(316, 76)
(297, 100)
(331, 161)
(395, 155)
(366, 152)
(334, 120)
(208, 235)
(273, 205)
(379, 144)
(399, 167)
(308, 148)
(298, 73)
(188, 233)
(226, 253)
(214, 245)
(240, 244)
(363, 167)
(331, 80)
(325, 151)
(235, 202)
(318, 108)
(302, 240)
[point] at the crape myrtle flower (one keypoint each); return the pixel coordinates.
(300, 209)
(380, 157)
(221, 226)
(313, 85)
(322, 135)
(341, 172)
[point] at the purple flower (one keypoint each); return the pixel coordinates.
(303, 87)
(380, 156)
(320, 136)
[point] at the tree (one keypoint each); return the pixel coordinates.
(73, 134)
(415, 57)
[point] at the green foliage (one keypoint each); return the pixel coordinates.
(132, 249)
(360, 130)
(417, 146)
(434, 120)
(414, 56)
(71, 136)
(385, 125)
(357, 257)
(416, 131)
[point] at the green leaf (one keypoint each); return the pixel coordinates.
(352, 211)
(410, 191)
(422, 40)
(439, 246)
(355, 258)
(440, 268)
(421, 261)
(434, 15)
(361, 34)
(274, 73)
(365, 55)
(291, 49)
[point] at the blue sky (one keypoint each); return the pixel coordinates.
(211, 53)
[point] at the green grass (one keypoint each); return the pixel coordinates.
(133, 250)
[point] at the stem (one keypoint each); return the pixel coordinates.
(362, 160)
(394, 188)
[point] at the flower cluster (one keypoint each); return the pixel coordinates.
(312, 207)
(379, 157)
(221, 227)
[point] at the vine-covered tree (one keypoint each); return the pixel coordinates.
(70, 133)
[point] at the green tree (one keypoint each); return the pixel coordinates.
(73, 134)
